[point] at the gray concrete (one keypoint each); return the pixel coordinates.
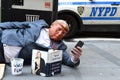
(100, 61)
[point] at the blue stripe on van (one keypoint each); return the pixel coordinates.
(87, 3)
(100, 18)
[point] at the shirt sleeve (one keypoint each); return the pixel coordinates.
(74, 61)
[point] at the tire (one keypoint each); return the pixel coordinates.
(72, 24)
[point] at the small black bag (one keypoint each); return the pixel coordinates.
(26, 52)
(2, 59)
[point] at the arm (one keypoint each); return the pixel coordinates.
(13, 25)
(67, 60)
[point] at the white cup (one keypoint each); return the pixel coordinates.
(16, 66)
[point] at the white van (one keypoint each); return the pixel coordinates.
(28, 10)
(90, 15)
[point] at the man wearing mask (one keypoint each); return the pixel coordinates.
(16, 36)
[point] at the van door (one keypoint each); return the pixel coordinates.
(102, 12)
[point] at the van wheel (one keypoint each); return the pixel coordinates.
(72, 24)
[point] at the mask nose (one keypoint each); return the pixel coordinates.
(60, 33)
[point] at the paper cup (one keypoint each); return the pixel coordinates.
(16, 66)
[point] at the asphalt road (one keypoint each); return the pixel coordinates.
(100, 61)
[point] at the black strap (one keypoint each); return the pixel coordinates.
(2, 59)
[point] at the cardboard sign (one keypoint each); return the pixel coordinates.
(2, 70)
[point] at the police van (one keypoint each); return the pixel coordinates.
(90, 15)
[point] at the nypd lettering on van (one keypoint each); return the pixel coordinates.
(103, 11)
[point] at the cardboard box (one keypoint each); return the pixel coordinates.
(2, 70)
(46, 63)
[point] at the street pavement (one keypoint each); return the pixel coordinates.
(100, 61)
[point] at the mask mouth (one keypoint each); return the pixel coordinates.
(56, 39)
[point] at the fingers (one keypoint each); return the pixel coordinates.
(77, 52)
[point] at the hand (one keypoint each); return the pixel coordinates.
(76, 53)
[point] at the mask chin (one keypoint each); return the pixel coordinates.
(55, 39)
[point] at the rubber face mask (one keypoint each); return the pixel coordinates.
(57, 32)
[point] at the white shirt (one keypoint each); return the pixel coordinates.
(44, 39)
